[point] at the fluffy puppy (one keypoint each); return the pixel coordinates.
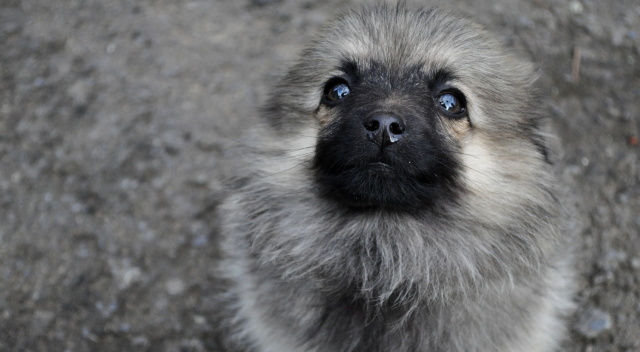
(396, 197)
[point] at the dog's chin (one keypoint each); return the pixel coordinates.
(379, 186)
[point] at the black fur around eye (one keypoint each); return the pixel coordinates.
(335, 90)
(452, 103)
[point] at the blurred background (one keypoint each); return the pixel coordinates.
(114, 116)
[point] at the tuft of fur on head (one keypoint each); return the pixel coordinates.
(452, 229)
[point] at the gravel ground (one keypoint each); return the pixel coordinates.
(114, 115)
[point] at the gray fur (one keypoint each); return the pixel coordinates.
(490, 271)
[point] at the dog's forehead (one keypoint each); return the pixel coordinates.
(402, 39)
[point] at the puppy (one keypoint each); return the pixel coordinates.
(397, 196)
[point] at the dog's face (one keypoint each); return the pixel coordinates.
(416, 111)
(385, 142)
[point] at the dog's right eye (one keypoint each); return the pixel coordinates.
(336, 90)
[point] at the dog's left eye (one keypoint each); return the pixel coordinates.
(336, 90)
(451, 103)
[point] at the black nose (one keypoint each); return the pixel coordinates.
(384, 128)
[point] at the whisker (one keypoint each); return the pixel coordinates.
(288, 169)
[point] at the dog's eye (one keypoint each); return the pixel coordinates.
(336, 90)
(452, 104)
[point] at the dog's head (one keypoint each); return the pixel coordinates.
(414, 108)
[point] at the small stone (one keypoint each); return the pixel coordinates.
(613, 111)
(16, 177)
(128, 184)
(576, 7)
(584, 161)
(594, 322)
(124, 273)
(199, 241)
(199, 319)
(140, 341)
(175, 286)
(124, 327)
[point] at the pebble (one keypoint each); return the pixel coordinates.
(175, 286)
(199, 241)
(576, 7)
(584, 161)
(140, 341)
(124, 273)
(111, 48)
(594, 322)
(199, 319)
(124, 327)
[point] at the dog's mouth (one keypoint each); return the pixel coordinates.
(378, 184)
(376, 169)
